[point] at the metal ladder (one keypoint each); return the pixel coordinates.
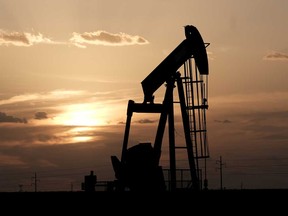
(195, 106)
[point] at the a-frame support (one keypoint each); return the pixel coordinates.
(167, 111)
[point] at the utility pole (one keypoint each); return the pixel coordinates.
(20, 187)
(35, 181)
(221, 174)
(71, 186)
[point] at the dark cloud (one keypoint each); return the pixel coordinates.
(41, 115)
(7, 118)
(141, 121)
(121, 122)
(145, 121)
(274, 56)
(47, 138)
(269, 126)
(223, 121)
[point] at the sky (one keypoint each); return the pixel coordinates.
(69, 67)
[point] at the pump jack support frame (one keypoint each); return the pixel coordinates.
(167, 111)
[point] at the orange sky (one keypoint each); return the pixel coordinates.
(68, 69)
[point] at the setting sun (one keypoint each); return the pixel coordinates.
(82, 115)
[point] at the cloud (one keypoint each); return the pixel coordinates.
(252, 134)
(7, 118)
(66, 107)
(223, 121)
(106, 38)
(276, 56)
(41, 115)
(52, 95)
(9, 160)
(145, 121)
(22, 39)
(27, 39)
(47, 163)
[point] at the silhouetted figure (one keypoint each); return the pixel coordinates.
(90, 182)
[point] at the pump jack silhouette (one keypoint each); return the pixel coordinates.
(139, 168)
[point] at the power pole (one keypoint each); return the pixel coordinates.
(221, 174)
(20, 187)
(71, 186)
(35, 181)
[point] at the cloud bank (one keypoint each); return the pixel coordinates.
(81, 40)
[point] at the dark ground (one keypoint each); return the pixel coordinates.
(216, 202)
(248, 196)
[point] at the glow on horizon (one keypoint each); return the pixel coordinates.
(81, 134)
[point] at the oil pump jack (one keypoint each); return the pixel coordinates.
(139, 168)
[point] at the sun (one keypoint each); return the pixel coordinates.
(82, 118)
(82, 115)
